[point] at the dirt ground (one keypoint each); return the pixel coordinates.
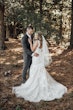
(61, 69)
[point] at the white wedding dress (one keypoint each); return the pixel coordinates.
(40, 85)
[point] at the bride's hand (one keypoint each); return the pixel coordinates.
(36, 54)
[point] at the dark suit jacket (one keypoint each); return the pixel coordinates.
(26, 45)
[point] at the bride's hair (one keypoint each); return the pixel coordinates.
(39, 35)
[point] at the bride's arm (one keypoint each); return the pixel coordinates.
(33, 46)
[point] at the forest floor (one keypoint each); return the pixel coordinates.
(61, 69)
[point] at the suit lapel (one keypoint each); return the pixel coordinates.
(28, 37)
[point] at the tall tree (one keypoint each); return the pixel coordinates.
(71, 40)
(41, 11)
(2, 44)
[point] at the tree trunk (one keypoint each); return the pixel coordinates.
(71, 40)
(7, 33)
(60, 33)
(2, 44)
(41, 12)
(14, 32)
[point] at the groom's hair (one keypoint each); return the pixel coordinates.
(30, 27)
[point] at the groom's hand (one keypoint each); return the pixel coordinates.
(36, 54)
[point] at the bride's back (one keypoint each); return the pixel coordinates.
(38, 59)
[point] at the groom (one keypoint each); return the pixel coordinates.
(27, 53)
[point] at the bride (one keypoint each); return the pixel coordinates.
(40, 85)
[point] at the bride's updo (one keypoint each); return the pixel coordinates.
(38, 36)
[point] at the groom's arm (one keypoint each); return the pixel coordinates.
(24, 44)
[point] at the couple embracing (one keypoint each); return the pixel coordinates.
(40, 85)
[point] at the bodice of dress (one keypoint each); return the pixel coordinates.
(38, 49)
(38, 60)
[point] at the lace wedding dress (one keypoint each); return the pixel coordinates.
(40, 85)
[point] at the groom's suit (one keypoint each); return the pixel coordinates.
(26, 55)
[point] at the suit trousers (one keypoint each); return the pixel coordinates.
(26, 65)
